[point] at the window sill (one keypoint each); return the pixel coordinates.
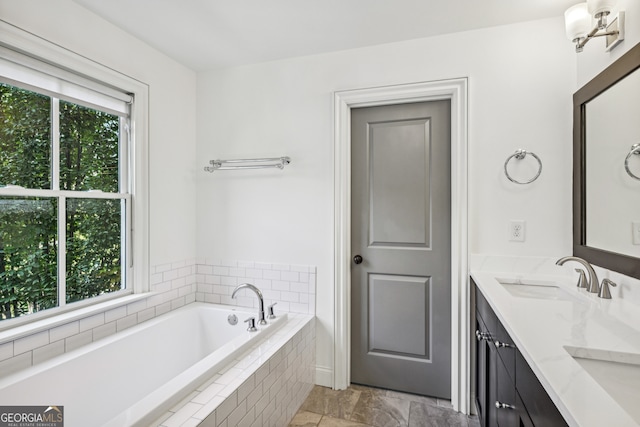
(15, 331)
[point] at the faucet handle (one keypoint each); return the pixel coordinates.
(271, 313)
(252, 324)
(582, 280)
(604, 289)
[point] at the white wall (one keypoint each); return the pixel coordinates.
(172, 125)
(521, 78)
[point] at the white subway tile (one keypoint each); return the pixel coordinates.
(212, 298)
(104, 330)
(237, 272)
(6, 350)
(155, 278)
(280, 285)
(229, 281)
(214, 280)
(170, 275)
(304, 277)
(299, 287)
(205, 288)
(204, 269)
(162, 287)
(263, 265)
(15, 364)
(225, 408)
(63, 331)
(254, 273)
(78, 340)
(290, 276)
(228, 263)
(178, 283)
(136, 307)
(176, 265)
(290, 296)
(177, 303)
(245, 264)
(115, 314)
(162, 268)
(271, 274)
(30, 342)
(185, 271)
(48, 351)
(237, 414)
(189, 298)
(300, 268)
(146, 314)
(126, 322)
(180, 417)
(281, 267)
(208, 407)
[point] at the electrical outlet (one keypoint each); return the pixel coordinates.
(516, 231)
(635, 230)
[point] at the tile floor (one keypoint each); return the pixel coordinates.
(360, 406)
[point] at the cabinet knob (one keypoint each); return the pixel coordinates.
(501, 405)
(501, 344)
(481, 335)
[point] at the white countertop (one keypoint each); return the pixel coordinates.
(541, 328)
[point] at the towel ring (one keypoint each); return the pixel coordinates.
(635, 149)
(519, 155)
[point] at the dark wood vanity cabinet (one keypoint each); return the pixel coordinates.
(507, 391)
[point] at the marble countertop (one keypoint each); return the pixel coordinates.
(542, 328)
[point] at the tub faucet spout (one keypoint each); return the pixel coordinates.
(261, 317)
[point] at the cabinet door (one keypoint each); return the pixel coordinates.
(541, 409)
(482, 372)
(505, 403)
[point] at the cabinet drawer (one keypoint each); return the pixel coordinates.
(541, 409)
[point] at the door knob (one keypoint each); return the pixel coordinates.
(357, 259)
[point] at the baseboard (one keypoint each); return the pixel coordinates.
(324, 376)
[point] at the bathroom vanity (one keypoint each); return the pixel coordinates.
(507, 391)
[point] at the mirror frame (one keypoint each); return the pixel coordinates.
(622, 67)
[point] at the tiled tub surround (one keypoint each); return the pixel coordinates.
(263, 387)
(171, 285)
(543, 328)
(293, 287)
(188, 346)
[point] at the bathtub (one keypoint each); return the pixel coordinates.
(136, 375)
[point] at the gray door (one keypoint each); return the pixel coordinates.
(401, 229)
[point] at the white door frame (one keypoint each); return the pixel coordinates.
(456, 91)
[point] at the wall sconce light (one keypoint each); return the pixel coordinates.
(580, 29)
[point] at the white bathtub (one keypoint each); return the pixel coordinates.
(134, 376)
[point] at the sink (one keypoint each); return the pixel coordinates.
(534, 288)
(618, 373)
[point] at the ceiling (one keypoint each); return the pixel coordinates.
(210, 34)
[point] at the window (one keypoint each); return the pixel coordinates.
(65, 188)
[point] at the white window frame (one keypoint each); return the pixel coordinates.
(137, 220)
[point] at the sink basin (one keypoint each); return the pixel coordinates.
(533, 288)
(616, 372)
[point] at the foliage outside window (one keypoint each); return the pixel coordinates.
(63, 201)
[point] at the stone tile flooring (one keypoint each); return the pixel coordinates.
(360, 406)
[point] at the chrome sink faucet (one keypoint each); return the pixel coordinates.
(261, 318)
(593, 285)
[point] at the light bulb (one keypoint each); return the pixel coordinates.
(577, 21)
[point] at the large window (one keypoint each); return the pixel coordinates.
(65, 196)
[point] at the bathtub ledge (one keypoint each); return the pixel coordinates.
(28, 327)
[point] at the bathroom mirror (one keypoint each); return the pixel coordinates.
(606, 194)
